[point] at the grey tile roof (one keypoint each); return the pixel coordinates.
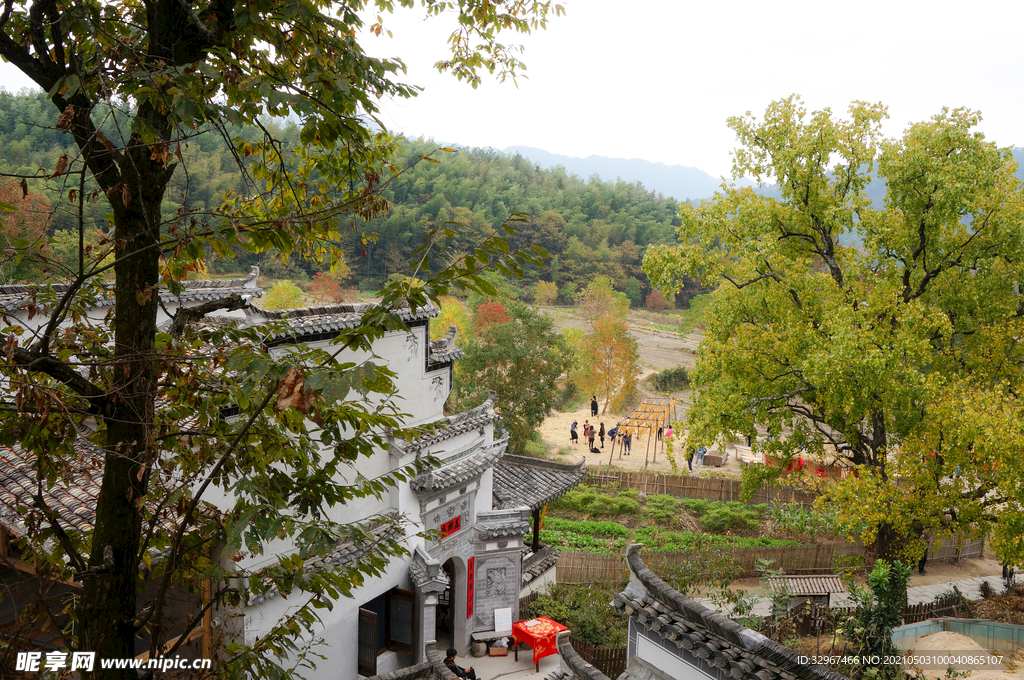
(444, 350)
(461, 470)
(533, 482)
(16, 296)
(420, 670)
(452, 426)
(73, 499)
(723, 643)
(304, 321)
(511, 527)
(436, 660)
(807, 585)
(345, 553)
(538, 563)
(574, 666)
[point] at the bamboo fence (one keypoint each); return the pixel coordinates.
(816, 558)
(709, 488)
(609, 660)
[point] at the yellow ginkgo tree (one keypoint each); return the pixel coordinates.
(884, 332)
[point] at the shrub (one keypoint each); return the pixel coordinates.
(544, 292)
(613, 506)
(284, 295)
(585, 610)
(671, 379)
(656, 301)
(585, 500)
(725, 519)
(568, 293)
(661, 509)
(325, 288)
(487, 314)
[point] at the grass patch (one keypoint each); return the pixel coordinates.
(664, 540)
(570, 540)
(536, 448)
(610, 529)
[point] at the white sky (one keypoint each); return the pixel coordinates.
(656, 79)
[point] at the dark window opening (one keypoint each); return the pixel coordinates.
(385, 623)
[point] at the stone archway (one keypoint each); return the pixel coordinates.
(457, 569)
(431, 579)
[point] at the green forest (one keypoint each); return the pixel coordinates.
(589, 227)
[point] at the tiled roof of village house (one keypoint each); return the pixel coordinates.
(539, 562)
(73, 498)
(334, 318)
(452, 427)
(807, 585)
(533, 482)
(737, 650)
(461, 470)
(14, 297)
(74, 503)
(574, 666)
(345, 553)
(444, 349)
(513, 526)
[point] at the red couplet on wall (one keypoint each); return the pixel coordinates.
(469, 589)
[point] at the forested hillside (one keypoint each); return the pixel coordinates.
(589, 227)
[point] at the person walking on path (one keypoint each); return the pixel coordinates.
(593, 406)
(574, 437)
(593, 434)
(924, 558)
(600, 433)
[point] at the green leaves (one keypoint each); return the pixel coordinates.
(858, 351)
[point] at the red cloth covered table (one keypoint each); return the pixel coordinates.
(540, 636)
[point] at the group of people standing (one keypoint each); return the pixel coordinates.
(590, 432)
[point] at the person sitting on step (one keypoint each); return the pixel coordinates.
(449, 660)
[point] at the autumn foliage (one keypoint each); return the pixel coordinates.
(22, 226)
(489, 314)
(325, 289)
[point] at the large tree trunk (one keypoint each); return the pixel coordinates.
(108, 606)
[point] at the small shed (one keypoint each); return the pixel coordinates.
(817, 589)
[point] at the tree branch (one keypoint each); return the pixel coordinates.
(189, 315)
(32, 361)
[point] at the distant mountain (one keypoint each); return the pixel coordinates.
(681, 183)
